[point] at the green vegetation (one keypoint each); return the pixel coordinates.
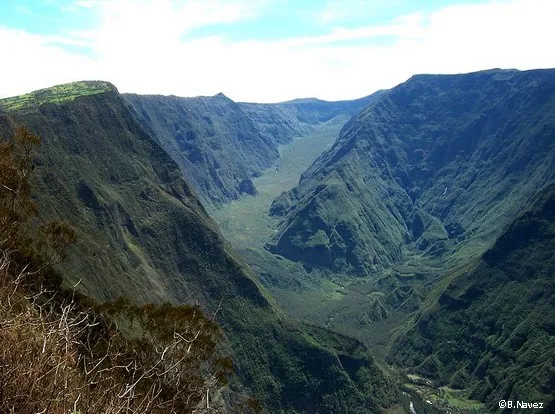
(441, 171)
(403, 205)
(330, 301)
(245, 222)
(283, 122)
(143, 235)
(444, 399)
(56, 95)
(221, 145)
(43, 243)
(489, 331)
(214, 143)
(421, 181)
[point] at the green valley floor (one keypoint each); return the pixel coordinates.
(246, 222)
(330, 302)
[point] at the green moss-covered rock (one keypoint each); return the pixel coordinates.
(56, 94)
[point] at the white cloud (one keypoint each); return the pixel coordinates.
(30, 62)
(337, 11)
(143, 49)
(409, 26)
(331, 13)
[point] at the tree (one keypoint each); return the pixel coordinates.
(16, 206)
(46, 241)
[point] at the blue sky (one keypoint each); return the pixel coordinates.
(275, 20)
(266, 50)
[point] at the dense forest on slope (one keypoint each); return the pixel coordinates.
(143, 235)
(490, 328)
(413, 192)
(59, 351)
(437, 164)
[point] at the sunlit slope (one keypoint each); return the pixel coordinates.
(437, 165)
(56, 94)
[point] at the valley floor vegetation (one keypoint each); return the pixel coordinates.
(60, 352)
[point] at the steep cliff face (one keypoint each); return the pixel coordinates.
(216, 145)
(434, 163)
(491, 328)
(143, 234)
(103, 173)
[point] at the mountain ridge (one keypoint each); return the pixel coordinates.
(215, 144)
(287, 120)
(221, 145)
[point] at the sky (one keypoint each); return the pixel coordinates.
(265, 50)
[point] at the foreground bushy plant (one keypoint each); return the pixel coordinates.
(56, 356)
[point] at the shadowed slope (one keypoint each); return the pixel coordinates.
(287, 120)
(218, 148)
(221, 145)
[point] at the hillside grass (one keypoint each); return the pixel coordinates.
(56, 94)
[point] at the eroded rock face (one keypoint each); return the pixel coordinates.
(432, 163)
(247, 187)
